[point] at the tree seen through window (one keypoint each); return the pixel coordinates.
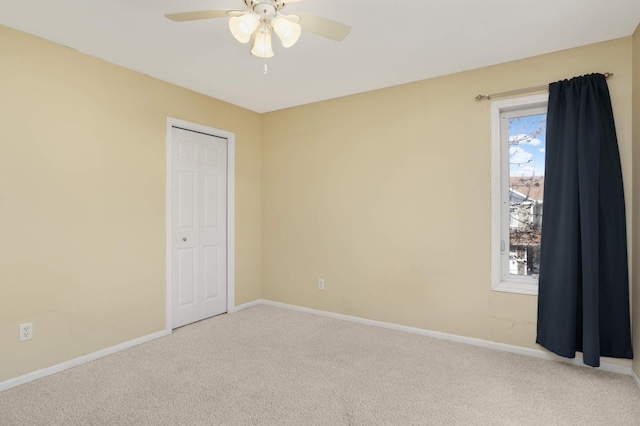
(526, 192)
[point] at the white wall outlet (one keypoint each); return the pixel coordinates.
(26, 331)
(320, 284)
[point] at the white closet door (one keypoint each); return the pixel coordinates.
(199, 186)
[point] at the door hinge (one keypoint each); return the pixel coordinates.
(502, 245)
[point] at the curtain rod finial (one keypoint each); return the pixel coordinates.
(481, 97)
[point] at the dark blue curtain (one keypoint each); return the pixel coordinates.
(583, 299)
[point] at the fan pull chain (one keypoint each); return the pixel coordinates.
(266, 70)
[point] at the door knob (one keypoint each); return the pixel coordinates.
(184, 239)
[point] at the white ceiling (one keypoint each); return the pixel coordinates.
(391, 42)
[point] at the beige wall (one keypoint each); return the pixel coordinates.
(635, 301)
(386, 195)
(82, 200)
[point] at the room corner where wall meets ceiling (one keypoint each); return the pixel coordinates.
(635, 301)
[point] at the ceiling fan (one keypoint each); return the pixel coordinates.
(263, 17)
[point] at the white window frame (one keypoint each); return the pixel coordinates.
(501, 111)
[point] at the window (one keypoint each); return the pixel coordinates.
(517, 181)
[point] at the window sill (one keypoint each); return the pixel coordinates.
(516, 287)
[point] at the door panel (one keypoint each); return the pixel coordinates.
(187, 188)
(211, 201)
(199, 194)
(211, 156)
(186, 277)
(214, 225)
(211, 262)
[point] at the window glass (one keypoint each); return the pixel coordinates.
(526, 192)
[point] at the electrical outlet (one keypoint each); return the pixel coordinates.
(320, 284)
(26, 331)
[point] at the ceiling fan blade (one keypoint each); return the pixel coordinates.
(203, 14)
(291, 18)
(323, 27)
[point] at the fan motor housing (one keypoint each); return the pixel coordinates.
(257, 4)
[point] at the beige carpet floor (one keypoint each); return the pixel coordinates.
(272, 366)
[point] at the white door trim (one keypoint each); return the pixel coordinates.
(231, 169)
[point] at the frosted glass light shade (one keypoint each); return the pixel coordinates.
(288, 32)
(262, 45)
(243, 26)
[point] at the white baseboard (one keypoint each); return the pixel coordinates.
(536, 353)
(248, 305)
(635, 377)
(38, 374)
(44, 372)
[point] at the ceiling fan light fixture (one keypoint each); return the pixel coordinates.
(243, 26)
(262, 44)
(263, 18)
(287, 31)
